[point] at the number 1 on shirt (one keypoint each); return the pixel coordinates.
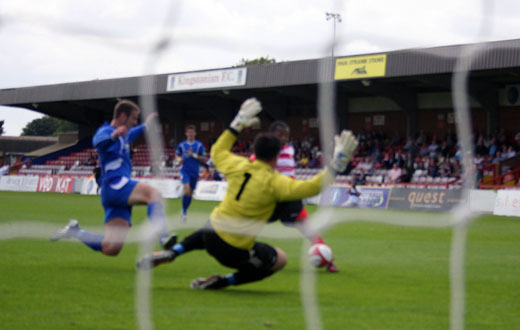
(247, 177)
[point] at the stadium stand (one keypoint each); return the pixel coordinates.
(425, 161)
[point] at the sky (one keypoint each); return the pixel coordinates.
(60, 41)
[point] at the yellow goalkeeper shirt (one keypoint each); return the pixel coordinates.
(254, 188)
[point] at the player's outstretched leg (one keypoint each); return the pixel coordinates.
(168, 242)
(155, 259)
(172, 250)
(331, 267)
(214, 282)
(69, 231)
(253, 269)
(160, 257)
(73, 230)
(294, 214)
(300, 221)
(156, 216)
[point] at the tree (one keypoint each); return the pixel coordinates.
(1, 127)
(261, 60)
(65, 126)
(48, 126)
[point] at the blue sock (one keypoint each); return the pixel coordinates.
(186, 201)
(231, 279)
(156, 216)
(178, 248)
(91, 240)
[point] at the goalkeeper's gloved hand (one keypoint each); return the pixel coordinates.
(344, 147)
(246, 116)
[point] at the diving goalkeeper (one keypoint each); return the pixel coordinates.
(254, 189)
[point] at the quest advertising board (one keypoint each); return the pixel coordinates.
(424, 199)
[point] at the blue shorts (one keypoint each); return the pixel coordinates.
(114, 198)
(190, 178)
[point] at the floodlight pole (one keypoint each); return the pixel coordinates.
(337, 18)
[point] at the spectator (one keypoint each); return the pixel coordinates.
(445, 167)
(406, 175)
(394, 174)
(420, 163)
(365, 165)
(479, 165)
(457, 170)
(409, 162)
(445, 150)
(511, 152)
(498, 158)
(458, 154)
(517, 140)
(92, 159)
(360, 179)
(215, 175)
(433, 168)
(396, 139)
(423, 150)
(480, 147)
(433, 148)
(4, 169)
(421, 138)
(313, 162)
(170, 161)
(304, 160)
(205, 172)
(493, 148)
(450, 139)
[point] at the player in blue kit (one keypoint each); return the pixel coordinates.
(118, 191)
(193, 154)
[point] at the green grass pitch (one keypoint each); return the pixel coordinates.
(390, 277)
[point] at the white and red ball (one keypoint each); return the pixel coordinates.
(320, 255)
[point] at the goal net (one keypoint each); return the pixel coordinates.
(172, 38)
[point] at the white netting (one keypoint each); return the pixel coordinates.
(164, 42)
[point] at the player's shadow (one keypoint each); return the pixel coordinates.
(232, 291)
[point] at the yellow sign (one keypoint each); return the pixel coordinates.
(359, 67)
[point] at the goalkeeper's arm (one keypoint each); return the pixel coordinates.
(246, 117)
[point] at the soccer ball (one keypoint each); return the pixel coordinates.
(320, 255)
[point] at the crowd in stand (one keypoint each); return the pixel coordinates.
(397, 157)
(400, 158)
(432, 156)
(307, 153)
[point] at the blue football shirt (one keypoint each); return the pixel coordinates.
(190, 165)
(114, 155)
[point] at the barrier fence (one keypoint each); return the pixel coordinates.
(500, 202)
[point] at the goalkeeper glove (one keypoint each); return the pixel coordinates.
(344, 147)
(246, 116)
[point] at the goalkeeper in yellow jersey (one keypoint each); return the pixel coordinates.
(254, 188)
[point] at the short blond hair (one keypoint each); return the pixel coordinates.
(126, 107)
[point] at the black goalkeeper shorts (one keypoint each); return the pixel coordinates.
(261, 257)
(287, 212)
